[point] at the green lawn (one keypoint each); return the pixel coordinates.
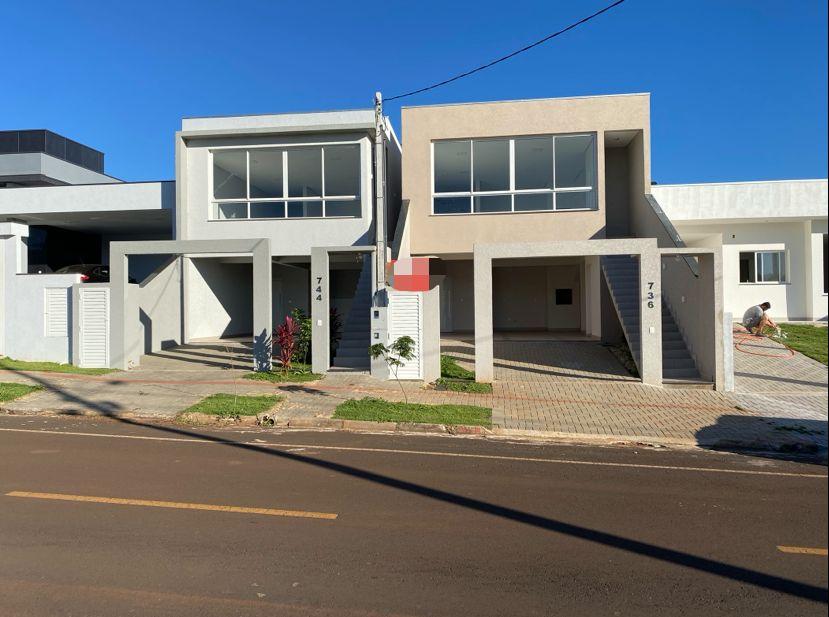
(53, 367)
(378, 410)
(458, 379)
(809, 340)
(230, 406)
(299, 372)
(11, 391)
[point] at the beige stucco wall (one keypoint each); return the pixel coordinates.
(447, 235)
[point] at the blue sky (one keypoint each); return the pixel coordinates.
(739, 87)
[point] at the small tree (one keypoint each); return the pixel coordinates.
(286, 337)
(395, 355)
(302, 350)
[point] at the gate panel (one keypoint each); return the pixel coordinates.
(406, 319)
(94, 327)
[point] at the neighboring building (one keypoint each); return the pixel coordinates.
(58, 208)
(773, 237)
(44, 158)
(537, 218)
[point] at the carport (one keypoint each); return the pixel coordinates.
(124, 346)
(645, 250)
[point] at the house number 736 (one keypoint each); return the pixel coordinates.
(651, 295)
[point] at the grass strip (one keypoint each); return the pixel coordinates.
(11, 391)
(51, 367)
(463, 385)
(809, 340)
(379, 410)
(230, 406)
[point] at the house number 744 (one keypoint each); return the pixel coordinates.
(318, 290)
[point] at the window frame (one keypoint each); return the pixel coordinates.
(592, 191)
(213, 203)
(784, 271)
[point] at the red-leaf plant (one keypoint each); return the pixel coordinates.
(286, 337)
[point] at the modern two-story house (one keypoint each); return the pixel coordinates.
(538, 218)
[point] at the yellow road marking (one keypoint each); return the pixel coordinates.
(803, 550)
(173, 504)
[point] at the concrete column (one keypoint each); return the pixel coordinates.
(809, 271)
(320, 335)
(262, 306)
(118, 306)
(592, 283)
(650, 276)
(484, 369)
(712, 364)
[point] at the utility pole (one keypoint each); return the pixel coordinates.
(380, 193)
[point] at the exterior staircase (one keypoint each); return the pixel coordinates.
(622, 276)
(352, 352)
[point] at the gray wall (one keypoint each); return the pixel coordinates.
(26, 339)
(523, 297)
(159, 308)
(220, 299)
(38, 163)
(617, 185)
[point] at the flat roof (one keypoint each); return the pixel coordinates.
(554, 98)
(349, 119)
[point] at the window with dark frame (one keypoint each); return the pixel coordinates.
(763, 267)
(287, 182)
(516, 174)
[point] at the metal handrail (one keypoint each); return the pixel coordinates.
(673, 234)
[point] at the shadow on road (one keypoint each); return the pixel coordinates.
(801, 440)
(736, 573)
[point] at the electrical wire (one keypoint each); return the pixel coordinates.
(510, 55)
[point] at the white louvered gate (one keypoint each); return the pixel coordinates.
(94, 327)
(406, 319)
(56, 311)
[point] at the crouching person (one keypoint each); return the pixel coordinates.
(757, 320)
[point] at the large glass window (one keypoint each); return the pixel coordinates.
(763, 267)
(287, 182)
(230, 175)
(521, 174)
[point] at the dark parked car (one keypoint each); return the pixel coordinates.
(90, 273)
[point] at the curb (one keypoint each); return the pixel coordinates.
(802, 448)
(381, 427)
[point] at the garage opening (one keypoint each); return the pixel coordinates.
(549, 317)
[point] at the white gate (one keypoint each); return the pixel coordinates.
(94, 326)
(406, 319)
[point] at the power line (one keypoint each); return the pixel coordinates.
(508, 56)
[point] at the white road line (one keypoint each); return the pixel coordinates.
(494, 457)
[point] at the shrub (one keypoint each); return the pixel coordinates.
(286, 336)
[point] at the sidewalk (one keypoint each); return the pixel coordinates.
(780, 402)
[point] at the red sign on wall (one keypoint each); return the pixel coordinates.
(410, 274)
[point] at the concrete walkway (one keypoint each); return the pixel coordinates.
(542, 388)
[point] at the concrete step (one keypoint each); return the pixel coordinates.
(678, 363)
(361, 345)
(677, 352)
(352, 362)
(680, 373)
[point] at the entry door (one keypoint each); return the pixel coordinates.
(94, 327)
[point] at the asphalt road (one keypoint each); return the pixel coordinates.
(359, 525)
